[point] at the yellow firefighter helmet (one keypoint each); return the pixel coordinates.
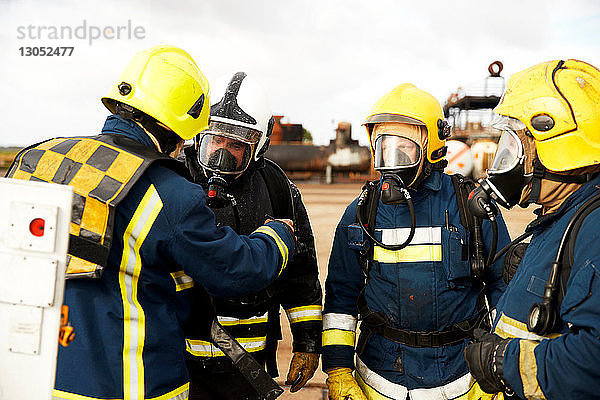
(408, 104)
(165, 83)
(559, 102)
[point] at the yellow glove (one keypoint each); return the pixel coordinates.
(302, 368)
(343, 386)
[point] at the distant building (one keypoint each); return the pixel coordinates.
(286, 132)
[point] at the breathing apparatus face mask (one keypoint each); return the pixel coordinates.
(226, 149)
(398, 157)
(225, 152)
(511, 172)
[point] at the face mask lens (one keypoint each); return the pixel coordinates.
(395, 152)
(508, 154)
(224, 154)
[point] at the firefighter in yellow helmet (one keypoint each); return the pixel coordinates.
(545, 342)
(404, 253)
(139, 239)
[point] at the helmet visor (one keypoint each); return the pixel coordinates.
(242, 133)
(508, 154)
(224, 153)
(395, 152)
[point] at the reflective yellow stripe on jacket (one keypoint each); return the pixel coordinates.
(182, 281)
(426, 245)
(231, 321)
(508, 327)
(338, 329)
(134, 332)
(304, 313)
(280, 244)
(181, 393)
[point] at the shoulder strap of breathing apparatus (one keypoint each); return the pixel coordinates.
(463, 187)
(367, 206)
(369, 201)
(377, 322)
(543, 317)
(280, 191)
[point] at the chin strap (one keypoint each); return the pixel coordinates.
(540, 172)
(428, 168)
(166, 138)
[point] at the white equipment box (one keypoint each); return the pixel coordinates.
(34, 237)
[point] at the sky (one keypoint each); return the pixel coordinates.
(320, 62)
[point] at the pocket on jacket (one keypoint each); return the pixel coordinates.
(456, 258)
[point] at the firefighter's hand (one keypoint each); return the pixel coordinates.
(343, 386)
(302, 368)
(483, 358)
(287, 222)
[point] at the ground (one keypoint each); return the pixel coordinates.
(325, 205)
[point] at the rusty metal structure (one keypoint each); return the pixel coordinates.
(7, 155)
(342, 160)
(469, 112)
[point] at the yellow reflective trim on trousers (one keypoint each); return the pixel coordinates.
(370, 392)
(528, 369)
(267, 230)
(181, 393)
(415, 253)
(129, 272)
(333, 337)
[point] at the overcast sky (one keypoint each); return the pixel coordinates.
(321, 62)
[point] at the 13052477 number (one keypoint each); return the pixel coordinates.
(46, 51)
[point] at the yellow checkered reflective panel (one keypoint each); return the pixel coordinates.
(101, 174)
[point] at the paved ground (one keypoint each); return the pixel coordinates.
(325, 205)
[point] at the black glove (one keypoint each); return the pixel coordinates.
(484, 360)
(512, 259)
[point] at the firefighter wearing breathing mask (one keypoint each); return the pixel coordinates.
(402, 263)
(245, 188)
(545, 342)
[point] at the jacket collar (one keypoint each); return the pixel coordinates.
(433, 181)
(120, 126)
(586, 191)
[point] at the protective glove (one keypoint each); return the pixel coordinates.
(512, 259)
(343, 386)
(302, 368)
(484, 360)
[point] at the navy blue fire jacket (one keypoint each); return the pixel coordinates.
(426, 287)
(128, 338)
(562, 365)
